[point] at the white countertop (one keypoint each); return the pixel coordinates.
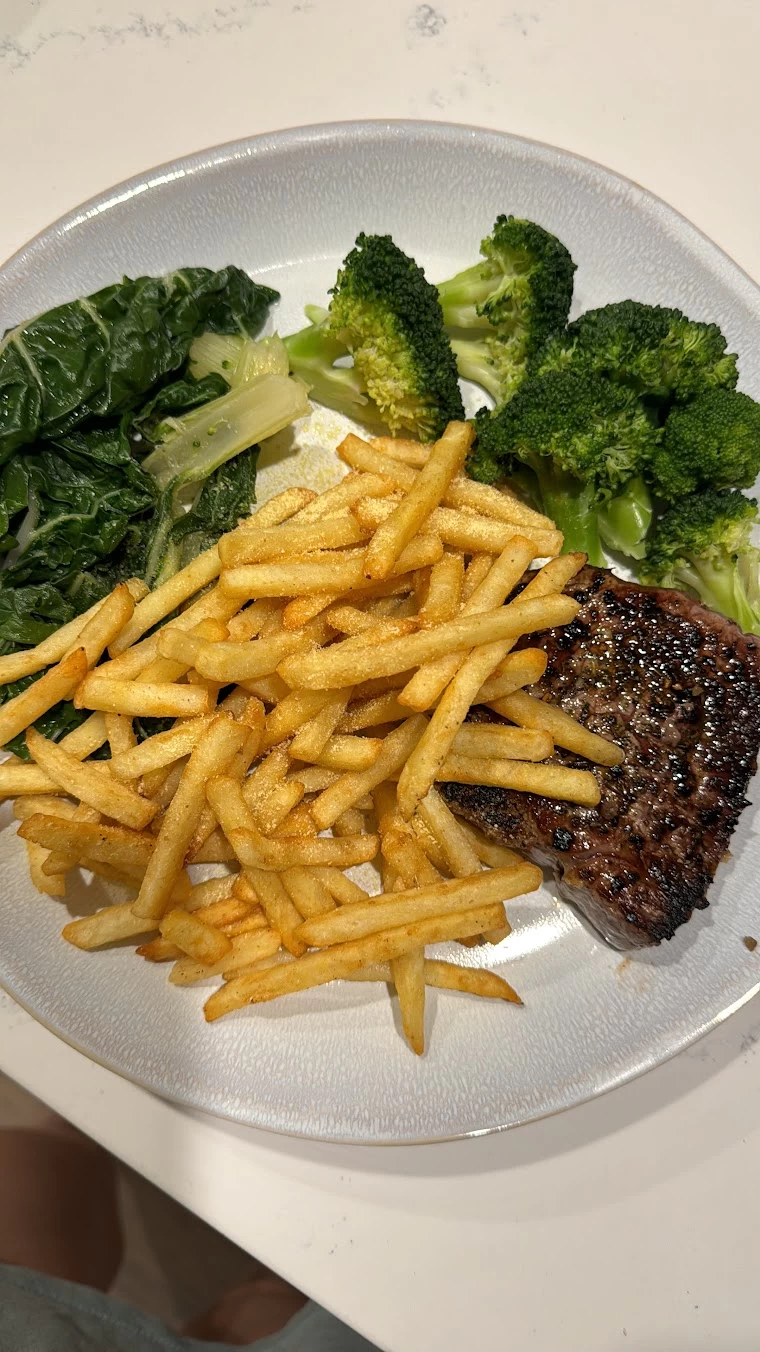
(627, 1223)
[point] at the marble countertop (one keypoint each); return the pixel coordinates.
(627, 1223)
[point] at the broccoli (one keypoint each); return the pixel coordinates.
(501, 312)
(713, 442)
(583, 437)
(656, 351)
(626, 518)
(703, 543)
(387, 317)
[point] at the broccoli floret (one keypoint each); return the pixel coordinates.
(713, 442)
(386, 316)
(626, 518)
(583, 438)
(501, 312)
(656, 351)
(703, 543)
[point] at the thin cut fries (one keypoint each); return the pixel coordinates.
(324, 626)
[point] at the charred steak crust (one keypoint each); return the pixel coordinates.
(678, 687)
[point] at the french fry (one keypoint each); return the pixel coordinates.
(396, 533)
(428, 684)
(195, 937)
(88, 737)
(347, 790)
(299, 822)
(325, 574)
(270, 814)
(268, 776)
(211, 891)
(448, 976)
(408, 973)
(345, 891)
(409, 452)
(256, 546)
(140, 699)
(115, 845)
(342, 495)
(121, 735)
(463, 529)
(532, 713)
(61, 643)
(348, 753)
(428, 842)
(551, 781)
(340, 665)
(313, 778)
(352, 620)
(58, 683)
(248, 623)
(108, 926)
(221, 740)
(259, 852)
(308, 893)
(46, 803)
(246, 661)
(292, 713)
(282, 915)
(489, 852)
(168, 597)
(246, 949)
(350, 823)
(158, 751)
(88, 783)
(247, 924)
(494, 739)
(52, 886)
(316, 969)
(280, 508)
(407, 907)
(371, 713)
(159, 950)
(524, 667)
(312, 737)
(17, 778)
(458, 850)
(60, 861)
(269, 689)
(444, 594)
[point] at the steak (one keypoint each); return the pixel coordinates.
(678, 688)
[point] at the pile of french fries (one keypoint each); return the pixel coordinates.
(319, 664)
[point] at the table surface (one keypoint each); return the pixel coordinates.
(629, 1222)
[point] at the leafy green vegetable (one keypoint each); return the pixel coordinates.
(102, 354)
(226, 496)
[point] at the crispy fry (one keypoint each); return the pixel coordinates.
(315, 969)
(280, 508)
(552, 781)
(162, 749)
(458, 851)
(464, 529)
(372, 713)
(115, 845)
(348, 753)
(532, 713)
(140, 699)
(313, 737)
(57, 684)
(494, 739)
(246, 661)
(87, 782)
(343, 889)
(256, 546)
(444, 594)
(450, 977)
(341, 665)
(211, 891)
(246, 949)
(221, 740)
(350, 823)
(108, 926)
(195, 937)
(166, 598)
(292, 713)
(404, 908)
(325, 574)
(343, 494)
(524, 667)
(258, 852)
(395, 534)
(347, 790)
(88, 737)
(121, 735)
(308, 893)
(17, 778)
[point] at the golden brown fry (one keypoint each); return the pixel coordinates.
(458, 850)
(121, 735)
(313, 736)
(307, 892)
(246, 661)
(168, 597)
(87, 782)
(211, 891)
(246, 949)
(292, 713)
(279, 804)
(195, 937)
(158, 751)
(488, 851)
(108, 926)
(342, 664)
(552, 781)
(115, 845)
(315, 969)
(524, 667)
(88, 737)
(256, 546)
(495, 739)
(449, 976)
(444, 593)
(221, 740)
(18, 778)
(140, 699)
(348, 753)
(347, 790)
(372, 713)
(404, 908)
(396, 533)
(299, 822)
(342, 495)
(329, 574)
(259, 852)
(464, 529)
(530, 712)
(349, 823)
(280, 508)
(58, 683)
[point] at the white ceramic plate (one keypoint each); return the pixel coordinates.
(330, 1063)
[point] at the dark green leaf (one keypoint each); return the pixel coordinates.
(227, 495)
(29, 614)
(104, 353)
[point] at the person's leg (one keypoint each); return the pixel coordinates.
(58, 1205)
(253, 1310)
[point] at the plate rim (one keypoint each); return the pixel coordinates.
(304, 136)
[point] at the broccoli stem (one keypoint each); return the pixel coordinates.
(572, 507)
(312, 353)
(474, 363)
(460, 296)
(625, 520)
(722, 587)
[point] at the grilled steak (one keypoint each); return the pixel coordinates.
(678, 687)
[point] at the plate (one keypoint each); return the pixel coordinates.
(330, 1063)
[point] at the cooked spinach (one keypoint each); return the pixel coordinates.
(102, 354)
